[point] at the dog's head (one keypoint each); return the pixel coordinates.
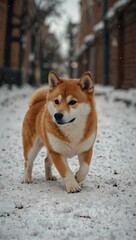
(70, 99)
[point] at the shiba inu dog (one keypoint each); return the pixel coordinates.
(61, 117)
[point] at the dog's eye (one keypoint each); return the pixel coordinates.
(72, 102)
(56, 101)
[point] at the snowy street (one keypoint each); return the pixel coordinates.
(105, 209)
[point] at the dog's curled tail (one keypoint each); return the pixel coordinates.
(38, 96)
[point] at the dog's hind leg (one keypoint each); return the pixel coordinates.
(29, 159)
(48, 169)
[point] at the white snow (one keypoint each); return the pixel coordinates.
(89, 38)
(99, 26)
(126, 96)
(116, 6)
(81, 49)
(110, 13)
(102, 90)
(104, 209)
(121, 3)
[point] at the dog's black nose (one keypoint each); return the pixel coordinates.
(58, 116)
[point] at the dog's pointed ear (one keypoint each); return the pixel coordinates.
(87, 82)
(53, 79)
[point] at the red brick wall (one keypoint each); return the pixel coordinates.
(15, 46)
(98, 11)
(92, 60)
(87, 19)
(15, 50)
(130, 46)
(3, 22)
(113, 60)
(83, 63)
(121, 49)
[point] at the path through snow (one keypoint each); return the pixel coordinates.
(105, 209)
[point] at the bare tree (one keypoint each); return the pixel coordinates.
(44, 9)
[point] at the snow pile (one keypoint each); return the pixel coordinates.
(103, 90)
(89, 38)
(116, 6)
(126, 96)
(110, 13)
(99, 26)
(106, 206)
(6, 95)
(121, 3)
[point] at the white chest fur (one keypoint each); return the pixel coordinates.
(72, 148)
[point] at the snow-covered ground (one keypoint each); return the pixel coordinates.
(105, 209)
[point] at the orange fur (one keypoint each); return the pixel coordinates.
(38, 96)
(39, 128)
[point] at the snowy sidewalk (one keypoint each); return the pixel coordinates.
(105, 209)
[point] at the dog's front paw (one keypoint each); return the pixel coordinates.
(71, 184)
(27, 179)
(73, 187)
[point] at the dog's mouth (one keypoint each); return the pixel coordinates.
(61, 122)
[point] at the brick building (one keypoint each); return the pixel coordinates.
(19, 53)
(3, 23)
(107, 45)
